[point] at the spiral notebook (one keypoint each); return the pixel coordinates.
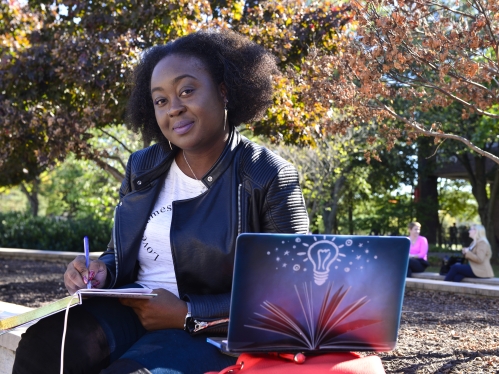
(306, 293)
(9, 321)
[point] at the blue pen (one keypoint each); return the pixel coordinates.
(86, 246)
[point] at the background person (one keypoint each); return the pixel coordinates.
(183, 203)
(453, 235)
(478, 254)
(419, 250)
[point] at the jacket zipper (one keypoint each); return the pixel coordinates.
(115, 245)
(201, 325)
(239, 204)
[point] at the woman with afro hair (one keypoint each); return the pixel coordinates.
(183, 202)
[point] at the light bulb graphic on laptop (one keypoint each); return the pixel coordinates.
(322, 254)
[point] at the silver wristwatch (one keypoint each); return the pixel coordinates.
(187, 316)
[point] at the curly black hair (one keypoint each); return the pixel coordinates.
(244, 67)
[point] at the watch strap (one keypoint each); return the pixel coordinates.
(188, 316)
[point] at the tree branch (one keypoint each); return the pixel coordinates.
(448, 9)
(117, 159)
(451, 74)
(436, 149)
(115, 138)
(420, 129)
(429, 64)
(115, 173)
(459, 100)
(487, 19)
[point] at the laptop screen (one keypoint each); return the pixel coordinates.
(317, 292)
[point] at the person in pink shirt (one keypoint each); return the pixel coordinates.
(418, 253)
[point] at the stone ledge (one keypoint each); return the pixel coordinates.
(436, 276)
(453, 287)
(37, 254)
(10, 340)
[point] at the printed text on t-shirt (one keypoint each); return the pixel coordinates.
(163, 209)
(149, 249)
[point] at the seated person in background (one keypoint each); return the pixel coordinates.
(453, 235)
(478, 254)
(419, 250)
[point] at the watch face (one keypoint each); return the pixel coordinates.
(187, 317)
(187, 322)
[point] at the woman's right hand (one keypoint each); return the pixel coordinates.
(77, 275)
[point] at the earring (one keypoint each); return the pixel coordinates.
(225, 113)
(170, 144)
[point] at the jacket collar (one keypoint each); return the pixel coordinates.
(145, 177)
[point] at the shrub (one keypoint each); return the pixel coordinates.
(20, 230)
(434, 260)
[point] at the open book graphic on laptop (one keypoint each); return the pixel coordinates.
(317, 292)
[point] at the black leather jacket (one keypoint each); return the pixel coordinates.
(249, 189)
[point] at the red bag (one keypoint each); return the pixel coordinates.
(330, 363)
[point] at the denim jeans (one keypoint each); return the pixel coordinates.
(458, 271)
(416, 265)
(169, 351)
(102, 331)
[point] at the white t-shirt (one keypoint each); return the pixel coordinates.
(155, 255)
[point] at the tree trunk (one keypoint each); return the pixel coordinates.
(330, 221)
(31, 192)
(427, 205)
(440, 234)
(350, 213)
(480, 189)
(493, 234)
(488, 206)
(493, 216)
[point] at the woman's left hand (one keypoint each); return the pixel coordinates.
(165, 311)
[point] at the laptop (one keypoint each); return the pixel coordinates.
(307, 293)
